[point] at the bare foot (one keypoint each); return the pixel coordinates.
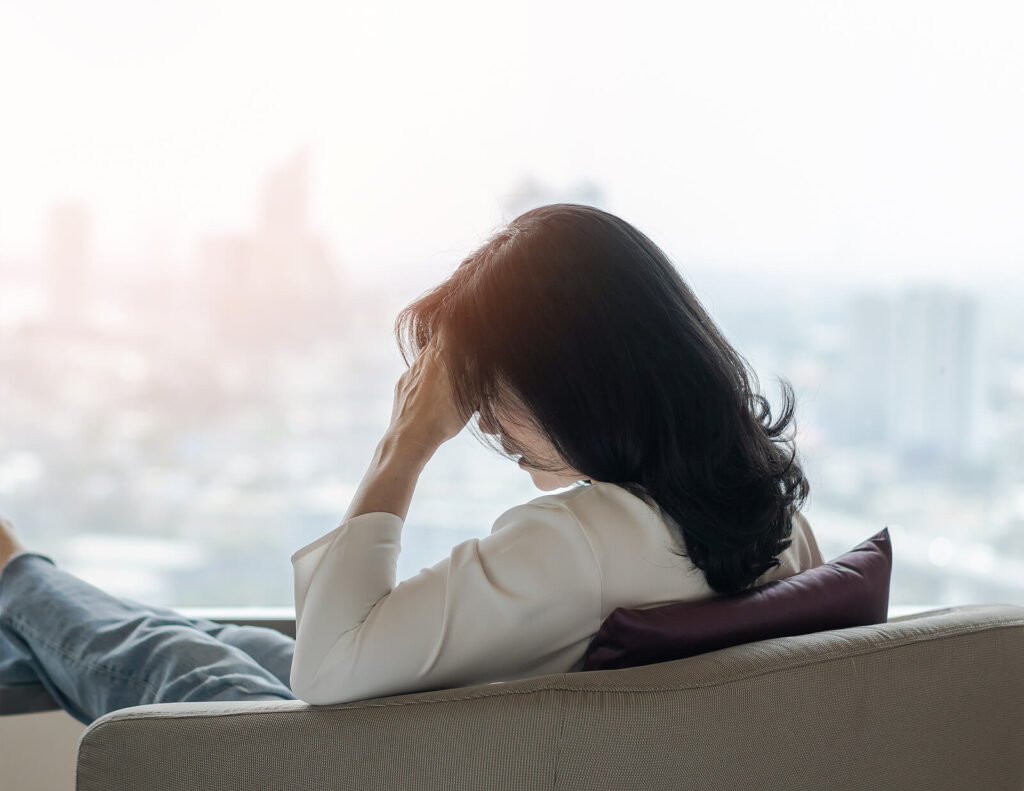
(9, 543)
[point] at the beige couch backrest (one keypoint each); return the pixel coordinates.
(929, 701)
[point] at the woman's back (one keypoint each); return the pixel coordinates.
(632, 548)
(632, 544)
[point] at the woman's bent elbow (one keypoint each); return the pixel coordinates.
(313, 694)
(305, 687)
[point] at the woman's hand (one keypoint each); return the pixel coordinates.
(423, 415)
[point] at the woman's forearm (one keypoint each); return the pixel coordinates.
(391, 478)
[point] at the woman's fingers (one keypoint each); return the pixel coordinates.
(424, 406)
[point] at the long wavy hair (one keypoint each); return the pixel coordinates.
(574, 314)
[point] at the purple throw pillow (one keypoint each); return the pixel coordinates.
(850, 590)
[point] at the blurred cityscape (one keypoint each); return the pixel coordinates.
(173, 434)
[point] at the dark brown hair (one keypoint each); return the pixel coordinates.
(584, 320)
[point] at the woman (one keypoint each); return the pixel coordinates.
(572, 343)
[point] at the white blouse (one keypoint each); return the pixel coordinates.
(524, 601)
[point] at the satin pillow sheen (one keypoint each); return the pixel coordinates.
(850, 590)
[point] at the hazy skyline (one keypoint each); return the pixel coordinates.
(869, 140)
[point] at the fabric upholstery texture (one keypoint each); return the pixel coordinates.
(929, 701)
(850, 590)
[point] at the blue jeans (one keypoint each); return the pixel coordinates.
(96, 653)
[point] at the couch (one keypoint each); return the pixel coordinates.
(933, 700)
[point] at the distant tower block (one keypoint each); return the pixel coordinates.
(276, 285)
(68, 261)
(529, 192)
(869, 370)
(285, 205)
(934, 398)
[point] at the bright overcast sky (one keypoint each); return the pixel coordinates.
(870, 136)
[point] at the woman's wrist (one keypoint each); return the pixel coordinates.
(405, 448)
(391, 478)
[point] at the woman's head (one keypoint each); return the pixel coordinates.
(584, 352)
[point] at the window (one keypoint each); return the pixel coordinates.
(211, 213)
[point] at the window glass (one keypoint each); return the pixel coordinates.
(210, 213)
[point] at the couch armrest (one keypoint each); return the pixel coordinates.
(33, 698)
(423, 740)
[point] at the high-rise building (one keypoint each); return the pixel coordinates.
(284, 206)
(529, 193)
(68, 245)
(934, 392)
(867, 372)
(913, 377)
(278, 284)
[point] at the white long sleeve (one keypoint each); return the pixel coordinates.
(512, 604)
(524, 601)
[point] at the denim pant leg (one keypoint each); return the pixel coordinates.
(271, 649)
(97, 653)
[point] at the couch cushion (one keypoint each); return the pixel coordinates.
(850, 590)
